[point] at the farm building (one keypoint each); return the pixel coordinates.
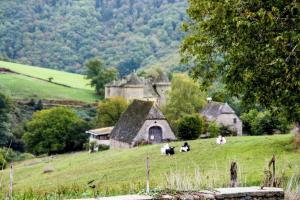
(222, 114)
(141, 122)
(134, 87)
(101, 135)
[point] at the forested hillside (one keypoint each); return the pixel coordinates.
(63, 34)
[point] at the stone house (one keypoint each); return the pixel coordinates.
(101, 135)
(141, 122)
(134, 87)
(222, 114)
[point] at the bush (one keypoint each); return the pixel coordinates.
(103, 147)
(190, 127)
(265, 122)
(55, 130)
(213, 129)
(227, 131)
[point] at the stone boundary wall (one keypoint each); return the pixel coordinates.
(239, 193)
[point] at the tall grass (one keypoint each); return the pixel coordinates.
(293, 188)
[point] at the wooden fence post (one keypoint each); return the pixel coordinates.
(148, 176)
(11, 176)
(233, 174)
(272, 162)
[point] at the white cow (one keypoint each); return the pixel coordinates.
(220, 140)
(164, 148)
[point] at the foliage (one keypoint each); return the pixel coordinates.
(103, 147)
(190, 127)
(227, 131)
(213, 129)
(67, 33)
(11, 155)
(56, 130)
(264, 122)
(109, 111)
(253, 45)
(185, 97)
(6, 109)
(99, 75)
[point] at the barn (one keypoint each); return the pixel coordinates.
(142, 122)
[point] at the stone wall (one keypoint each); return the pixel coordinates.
(239, 193)
(167, 132)
(114, 144)
(228, 120)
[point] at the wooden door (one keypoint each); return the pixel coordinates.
(155, 134)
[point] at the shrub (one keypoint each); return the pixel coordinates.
(265, 122)
(55, 130)
(103, 147)
(227, 131)
(213, 129)
(110, 110)
(190, 127)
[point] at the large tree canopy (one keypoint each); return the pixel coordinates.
(99, 75)
(56, 130)
(253, 45)
(110, 110)
(5, 119)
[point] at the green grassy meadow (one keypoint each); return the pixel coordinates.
(70, 79)
(121, 171)
(23, 87)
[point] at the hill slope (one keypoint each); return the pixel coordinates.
(26, 82)
(122, 171)
(64, 34)
(69, 79)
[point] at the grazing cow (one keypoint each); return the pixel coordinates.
(185, 147)
(170, 151)
(167, 150)
(164, 148)
(220, 140)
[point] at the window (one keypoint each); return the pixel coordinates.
(234, 120)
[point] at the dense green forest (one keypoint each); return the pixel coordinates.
(64, 34)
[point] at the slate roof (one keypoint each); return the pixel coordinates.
(133, 79)
(132, 120)
(213, 109)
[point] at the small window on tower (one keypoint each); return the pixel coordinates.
(234, 120)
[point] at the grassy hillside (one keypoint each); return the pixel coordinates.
(123, 171)
(22, 87)
(70, 79)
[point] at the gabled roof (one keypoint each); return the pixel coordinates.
(101, 131)
(213, 109)
(132, 120)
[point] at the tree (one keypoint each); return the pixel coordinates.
(110, 110)
(253, 45)
(185, 97)
(6, 109)
(56, 130)
(190, 127)
(264, 122)
(99, 75)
